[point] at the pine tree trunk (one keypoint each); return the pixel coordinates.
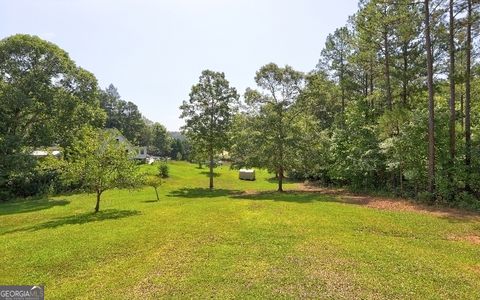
(452, 92)
(405, 75)
(400, 177)
(387, 70)
(431, 104)
(468, 134)
(342, 86)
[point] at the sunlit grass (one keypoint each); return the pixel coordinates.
(196, 243)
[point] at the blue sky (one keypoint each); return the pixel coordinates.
(154, 51)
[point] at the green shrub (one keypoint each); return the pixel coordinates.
(163, 170)
(468, 201)
(425, 197)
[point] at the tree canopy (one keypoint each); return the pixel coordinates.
(208, 114)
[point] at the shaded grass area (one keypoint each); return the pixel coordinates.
(29, 205)
(200, 193)
(79, 219)
(240, 241)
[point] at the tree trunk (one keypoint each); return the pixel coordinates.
(452, 93)
(156, 192)
(462, 113)
(387, 70)
(365, 87)
(211, 168)
(97, 206)
(372, 102)
(341, 81)
(468, 134)
(371, 78)
(280, 179)
(405, 75)
(400, 177)
(281, 154)
(431, 104)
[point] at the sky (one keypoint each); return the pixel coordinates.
(154, 51)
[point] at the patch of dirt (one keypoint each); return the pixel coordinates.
(395, 204)
(473, 239)
(476, 269)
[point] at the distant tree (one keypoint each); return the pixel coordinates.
(334, 60)
(154, 182)
(198, 153)
(98, 162)
(163, 170)
(179, 146)
(161, 142)
(451, 102)
(109, 99)
(208, 114)
(122, 115)
(275, 116)
(468, 80)
(431, 103)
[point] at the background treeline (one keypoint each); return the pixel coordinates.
(125, 116)
(46, 102)
(392, 106)
(377, 113)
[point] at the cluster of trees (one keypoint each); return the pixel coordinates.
(392, 105)
(126, 117)
(47, 100)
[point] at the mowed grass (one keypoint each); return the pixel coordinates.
(195, 243)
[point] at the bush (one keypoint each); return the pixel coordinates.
(163, 170)
(425, 197)
(468, 201)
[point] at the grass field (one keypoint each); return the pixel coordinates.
(228, 243)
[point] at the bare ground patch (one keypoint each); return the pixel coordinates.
(472, 239)
(393, 204)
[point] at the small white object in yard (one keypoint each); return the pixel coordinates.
(246, 174)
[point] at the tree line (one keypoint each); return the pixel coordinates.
(47, 101)
(391, 106)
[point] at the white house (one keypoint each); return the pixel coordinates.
(140, 153)
(38, 153)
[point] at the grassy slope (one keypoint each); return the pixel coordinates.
(195, 244)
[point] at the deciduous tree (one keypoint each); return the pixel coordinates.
(99, 162)
(208, 114)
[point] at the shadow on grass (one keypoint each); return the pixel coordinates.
(288, 196)
(285, 180)
(151, 201)
(207, 173)
(79, 219)
(202, 193)
(29, 205)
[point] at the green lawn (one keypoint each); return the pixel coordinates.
(194, 243)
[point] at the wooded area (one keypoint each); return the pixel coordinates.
(392, 106)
